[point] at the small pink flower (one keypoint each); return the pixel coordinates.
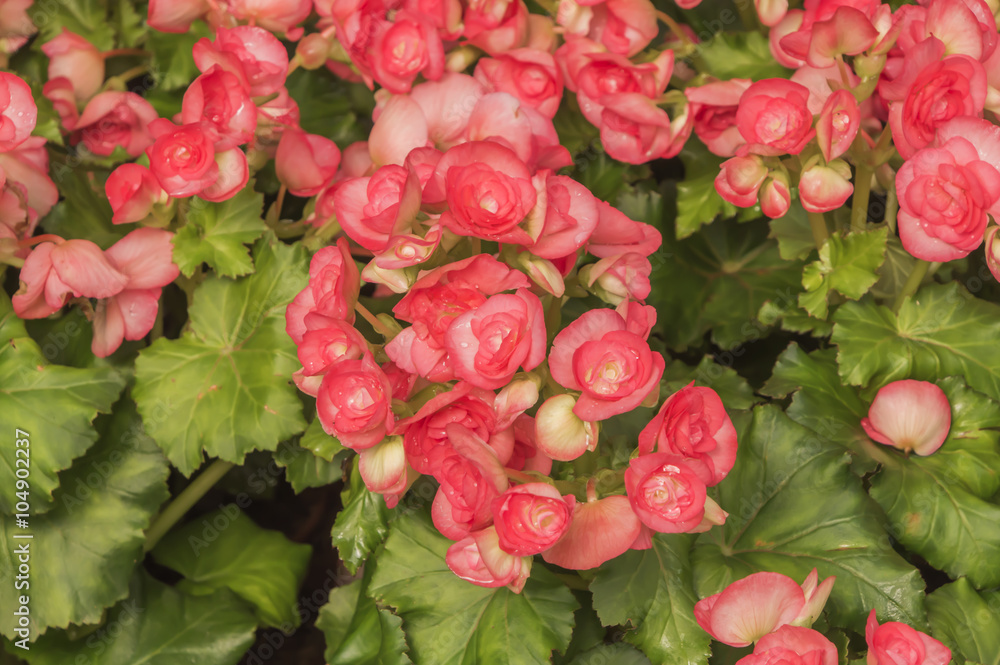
(478, 558)
(334, 285)
(183, 158)
(825, 187)
(740, 179)
(893, 641)
(322, 347)
(665, 493)
(18, 112)
(175, 15)
(624, 26)
(616, 279)
(273, 15)
(471, 476)
(792, 645)
(909, 415)
(371, 210)
(529, 74)
(775, 196)
(568, 212)
(496, 26)
(531, 518)
(615, 234)
(73, 57)
(383, 466)
(219, 99)
(403, 49)
(636, 130)
(354, 401)
(774, 117)
(613, 367)
(28, 165)
(581, 548)
(59, 91)
(113, 119)
(132, 191)
(713, 107)
(250, 52)
(306, 163)
(837, 124)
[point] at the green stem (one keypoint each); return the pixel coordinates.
(891, 208)
(573, 581)
(817, 222)
(862, 189)
(912, 283)
(373, 320)
(182, 503)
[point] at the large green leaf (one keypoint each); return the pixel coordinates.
(362, 524)
(938, 504)
(777, 524)
(84, 549)
(172, 64)
(358, 632)
(87, 18)
(224, 387)
(330, 106)
(157, 625)
(943, 331)
(846, 265)
(731, 55)
(84, 211)
(793, 233)
(717, 280)
(304, 469)
(215, 234)
(451, 622)
(966, 621)
(618, 653)
(224, 549)
(697, 201)
(53, 404)
(652, 590)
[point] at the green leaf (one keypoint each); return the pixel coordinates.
(847, 265)
(84, 211)
(330, 106)
(85, 548)
(321, 444)
(895, 270)
(215, 234)
(943, 331)
(224, 549)
(223, 387)
(303, 469)
(619, 654)
(55, 405)
(128, 23)
(451, 622)
(158, 625)
(966, 621)
(697, 201)
(717, 281)
(793, 318)
(358, 632)
(776, 524)
(732, 388)
(576, 133)
(362, 524)
(652, 589)
(731, 55)
(793, 233)
(937, 504)
(172, 64)
(87, 18)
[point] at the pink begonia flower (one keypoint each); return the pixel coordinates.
(59, 91)
(693, 423)
(55, 271)
(774, 117)
(334, 285)
(837, 124)
(529, 74)
(488, 344)
(252, 53)
(600, 531)
(559, 433)
(220, 100)
(233, 175)
(478, 558)
(383, 465)
(497, 26)
(354, 403)
(890, 641)
(636, 130)
(615, 233)
(425, 433)
(966, 27)
(28, 165)
(713, 107)
(740, 179)
(848, 32)
(515, 398)
(433, 303)
(113, 119)
(18, 112)
(668, 495)
(471, 476)
(564, 217)
(770, 12)
(750, 608)
(132, 191)
(372, 210)
(273, 15)
(909, 415)
(175, 15)
(182, 158)
(73, 57)
(616, 279)
(389, 267)
(825, 187)
(531, 518)
(775, 196)
(145, 257)
(790, 24)
(932, 89)
(322, 347)
(525, 455)
(792, 645)
(501, 118)
(613, 367)
(305, 163)
(625, 27)
(404, 48)
(947, 190)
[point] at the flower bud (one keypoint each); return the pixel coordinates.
(311, 51)
(909, 415)
(825, 187)
(775, 196)
(740, 179)
(559, 433)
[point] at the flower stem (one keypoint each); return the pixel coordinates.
(912, 284)
(862, 190)
(891, 208)
(373, 320)
(817, 222)
(182, 503)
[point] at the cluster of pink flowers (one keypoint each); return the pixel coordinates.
(774, 613)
